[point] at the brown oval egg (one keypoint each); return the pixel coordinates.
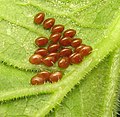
(64, 62)
(65, 52)
(55, 77)
(48, 23)
(53, 48)
(44, 74)
(38, 19)
(76, 58)
(54, 37)
(42, 51)
(69, 33)
(57, 29)
(79, 48)
(86, 50)
(41, 41)
(66, 41)
(55, 55)
(35, 59)
(48, 61)
(76, 42)
(36, 80)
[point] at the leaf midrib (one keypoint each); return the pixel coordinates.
(111, 93)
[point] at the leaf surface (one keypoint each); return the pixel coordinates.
(93, 96)
(97, 22)
(96, 95)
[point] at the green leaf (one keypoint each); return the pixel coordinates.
(94, 96)
(97, 23)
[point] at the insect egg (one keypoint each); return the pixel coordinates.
(53, 48)
(76, 58)
(48, 23)
(54, 77)
(41, 41)
(55, 55)
(35, 59)
(66, 41)
(38, 19)
(49, 61)
(54, 37)
(86, 50)
(44, 74)
(76, 42)
(69, 33)
(79, 48)
(42, 51)
(65, 52)
(64, 62)
(36, 80)
(57, 29)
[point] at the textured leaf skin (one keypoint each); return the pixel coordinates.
(96, 21)
(90, 98)
(91, 92)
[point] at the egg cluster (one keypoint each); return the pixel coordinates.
(62, 47)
